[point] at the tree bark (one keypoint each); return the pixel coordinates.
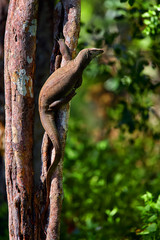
(25, 206)
(3, 17)
(66, 21)
(43, 54)
(20, 45)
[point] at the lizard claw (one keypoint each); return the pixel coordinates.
(61, 35)
(57, 38)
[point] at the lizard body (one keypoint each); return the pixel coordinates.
(57, 90)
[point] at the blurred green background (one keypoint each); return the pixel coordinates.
(111, 166)
(112, 157)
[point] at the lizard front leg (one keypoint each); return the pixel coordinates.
(60, 102)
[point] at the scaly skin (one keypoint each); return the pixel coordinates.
(58, 90)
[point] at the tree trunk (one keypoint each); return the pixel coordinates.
(66, 21)
(26, 205)
(20, 45)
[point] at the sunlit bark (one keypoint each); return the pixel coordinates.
(20, 45)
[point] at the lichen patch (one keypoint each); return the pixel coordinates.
(33, 27)
(25, 25)
(23, 82)
(29, 59)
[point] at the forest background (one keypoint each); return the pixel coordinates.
(111, 165)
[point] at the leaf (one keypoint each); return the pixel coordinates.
(152, 228)
(111, 84)
(152, 218)
(147, 22)
(102, 145)
(114, 211)
(158, 203)
(111, 212)
(151, 12)
(146, 197)
(126, 80)
(157, 7)
(145, 232)
(145, 15)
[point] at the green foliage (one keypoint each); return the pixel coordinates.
(102, 184)
(151, 20)
(111, 161)
(150, 214)
(3, 221)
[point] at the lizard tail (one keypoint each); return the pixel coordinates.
(48, 122)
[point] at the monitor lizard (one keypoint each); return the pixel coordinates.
(59, 89)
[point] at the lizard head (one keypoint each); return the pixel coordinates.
(86, 55)
(93, 52)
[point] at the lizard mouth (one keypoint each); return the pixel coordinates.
(95, 52)
(100, 51)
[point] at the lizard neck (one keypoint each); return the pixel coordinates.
(82, 60)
